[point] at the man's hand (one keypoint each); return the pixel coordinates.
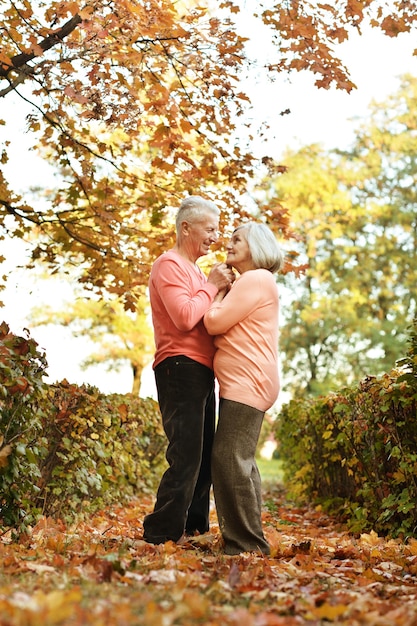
(222, 276)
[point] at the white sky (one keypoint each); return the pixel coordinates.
(324, 116)
(321, 116)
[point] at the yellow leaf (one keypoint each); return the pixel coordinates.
(399, 476)
(4, 453)
(72, 7)
(329, 611)
(370, 539)
(412, 546)
(58, 604)
(66, 66)
(328, 433)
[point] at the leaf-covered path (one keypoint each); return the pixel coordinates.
(101, 573)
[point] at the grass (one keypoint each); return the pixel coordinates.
(270, 470)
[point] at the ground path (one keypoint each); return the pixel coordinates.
(101, 573)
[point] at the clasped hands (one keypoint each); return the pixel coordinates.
(222, 276)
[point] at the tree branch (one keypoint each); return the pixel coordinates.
(39, 221)
(20, 60)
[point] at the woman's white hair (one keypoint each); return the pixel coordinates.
(263, 246)
(193, 208)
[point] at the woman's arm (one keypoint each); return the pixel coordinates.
(237, 304)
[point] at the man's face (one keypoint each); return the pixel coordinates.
(202, 234)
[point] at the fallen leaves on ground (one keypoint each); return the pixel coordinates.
(101, 573)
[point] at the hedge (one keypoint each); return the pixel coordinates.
(355, 451)
(65, 449)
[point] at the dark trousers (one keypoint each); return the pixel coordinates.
(236, 479)
(186, 400)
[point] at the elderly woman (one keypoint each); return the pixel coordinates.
(245, 323)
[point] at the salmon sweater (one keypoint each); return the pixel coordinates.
(245, 324)
(180, 295)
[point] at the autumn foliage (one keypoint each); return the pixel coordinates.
(136, 104)
(100, 571)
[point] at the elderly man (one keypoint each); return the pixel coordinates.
(180, 294)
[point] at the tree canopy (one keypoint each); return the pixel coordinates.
(136, 103)
(122, 337)
(357, 224)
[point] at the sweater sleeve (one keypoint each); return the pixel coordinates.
(185, 295)
(235, 306)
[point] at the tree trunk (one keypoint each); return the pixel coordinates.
(137, 376)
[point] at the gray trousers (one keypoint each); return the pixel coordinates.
(236, 479)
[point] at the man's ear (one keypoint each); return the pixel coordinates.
(185, 228)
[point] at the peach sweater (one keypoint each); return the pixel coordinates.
(246, 327)
(180, 295)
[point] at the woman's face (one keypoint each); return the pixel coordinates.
(238, 254)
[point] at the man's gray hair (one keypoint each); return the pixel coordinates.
(192, 208)
(263, 246)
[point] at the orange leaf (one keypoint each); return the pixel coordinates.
(4, 454)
